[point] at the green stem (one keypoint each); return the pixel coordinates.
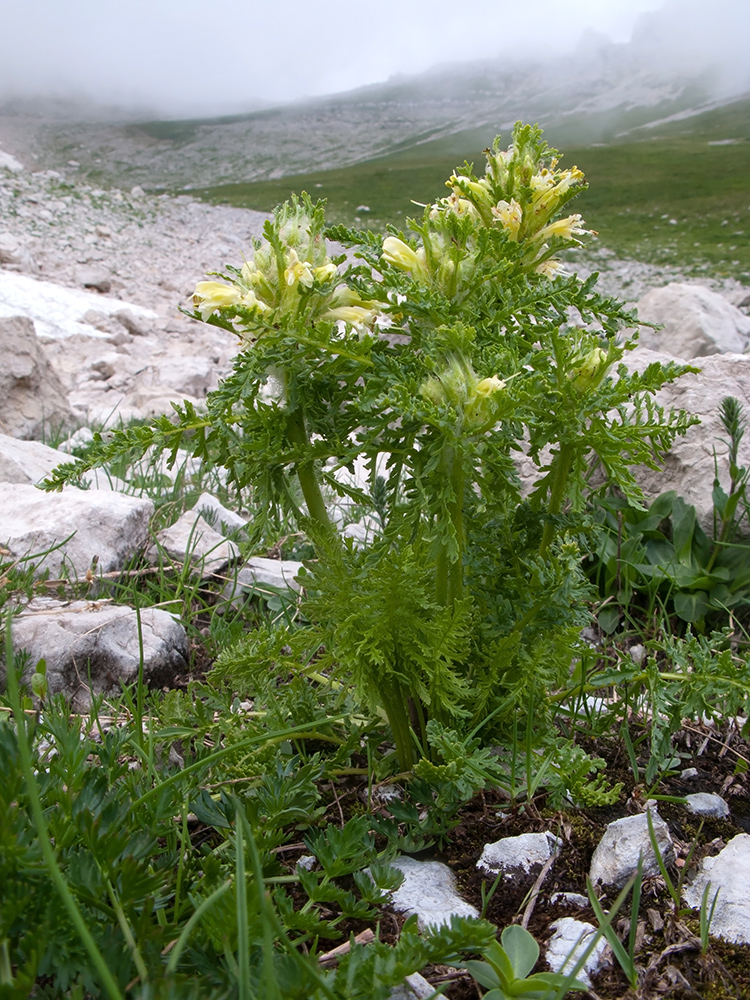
(394, 703)
(449, 572)
(308, 481)
(557, 494)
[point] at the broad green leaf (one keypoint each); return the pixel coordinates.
(691, 607)
(484, 974)
(521, 948)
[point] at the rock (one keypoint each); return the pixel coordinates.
(99, 529)
(191, 539)
(265, 577)
(689, 773)
(624, 842)
(9, 249)
(32, 398)
(689, 467)
(94, 276)
(729, 874)
(518, 854)
(10, 163)
(707, 804)
(91, 647)
(57, 312)
(415, 987)
(570, 899)
(567, 945)
(26, 461)
(218, 516)
(697, 322)
(133, 323)
(429, 890)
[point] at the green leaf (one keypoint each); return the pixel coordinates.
(691, 607)
(485, 974)
(521, 949)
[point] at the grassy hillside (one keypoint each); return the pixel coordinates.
(672, 192)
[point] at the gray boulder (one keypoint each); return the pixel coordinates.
(91, 647)
(192, 540)
(512, 855)
(689, 467)
(26, 461)
(696, 322)
(568, 944)
(32, 397)
(624, 842)
(728, 874)
(101, 531)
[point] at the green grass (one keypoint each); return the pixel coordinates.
(639, 183)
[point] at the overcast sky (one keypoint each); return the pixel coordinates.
(187, 56)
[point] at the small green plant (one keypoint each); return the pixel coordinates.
(662, 557)
(506, 969)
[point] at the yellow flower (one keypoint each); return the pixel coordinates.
(489, 385)
(354, 315)
(298, 271)
(550, 268)
(510, 215)
(326, 272)
(347, 305)
(564, 229)
(251, 301)
(212, 295)
(401, 255)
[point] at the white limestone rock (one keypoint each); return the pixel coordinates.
(265, 577)
(57, 311)
(697, 322)
(429, 890)
(689, 467)
(624, 842)
(729, 874)
(191, 539)
(221, 519)
(32, 397)
(99, 529)
(707, 804)
(26, 461)
(569, 942)
(518, 854)
(90, 647)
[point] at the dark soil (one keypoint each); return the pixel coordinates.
(668, 952)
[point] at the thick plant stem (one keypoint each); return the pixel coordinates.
(395, 705)
(308, 481)
(557, 494)
(449, 583)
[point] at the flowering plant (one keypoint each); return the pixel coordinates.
(437, 356)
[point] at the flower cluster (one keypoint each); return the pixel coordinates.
(520, 194)
(289, 277)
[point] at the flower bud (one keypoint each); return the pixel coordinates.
(401, 255)
(591, 370)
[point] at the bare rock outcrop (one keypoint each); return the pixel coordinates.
(32, 398)
(92, 647)
(75, 531)
(696, 322)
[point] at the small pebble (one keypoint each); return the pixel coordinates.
(707, 804)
